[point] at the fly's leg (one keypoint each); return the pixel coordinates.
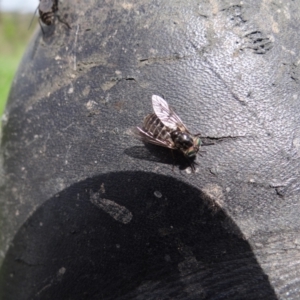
(173, 165)
(192, 165)
(62, 21)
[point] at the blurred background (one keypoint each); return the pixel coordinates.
(15, 33)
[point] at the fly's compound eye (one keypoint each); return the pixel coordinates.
(198, 142)
(193, 150)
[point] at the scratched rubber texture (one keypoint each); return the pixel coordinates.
(231, 72)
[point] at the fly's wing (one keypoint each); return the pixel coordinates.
(166, 114)
(33, 17)
(148, 138)
(45, 5)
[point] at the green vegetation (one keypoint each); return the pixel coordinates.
(14, 36)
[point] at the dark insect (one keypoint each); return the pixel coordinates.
(164, 128)
(48, 11)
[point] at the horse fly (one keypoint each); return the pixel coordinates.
(164, 128)
(48, 11)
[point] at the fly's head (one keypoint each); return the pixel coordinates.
(193, 150)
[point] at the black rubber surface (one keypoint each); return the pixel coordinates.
(89, 212)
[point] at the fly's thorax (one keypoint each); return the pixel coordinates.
(182, 140)
(47, 18)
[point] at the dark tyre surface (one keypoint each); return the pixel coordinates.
(89, 212)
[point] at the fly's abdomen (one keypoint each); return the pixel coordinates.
(47, 17)
(156, 128)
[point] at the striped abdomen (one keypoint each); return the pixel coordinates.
(157, 129)
(47, 15)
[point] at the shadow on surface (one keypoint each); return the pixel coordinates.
(131, 235)
(154, 153)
